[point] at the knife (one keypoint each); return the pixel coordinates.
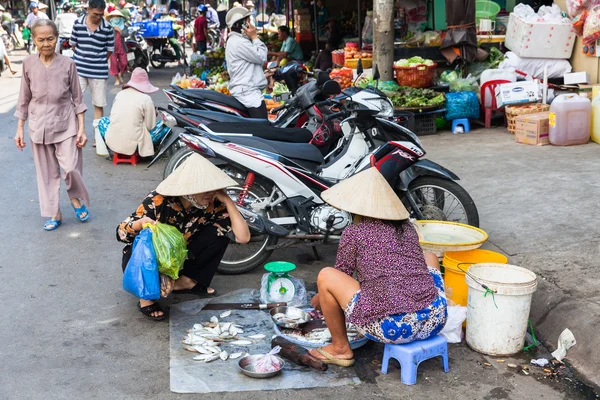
(242, 306)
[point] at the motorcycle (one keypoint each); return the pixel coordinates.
(65, 47)
(160, 51)
(280, 183)
(137, 50)
(7, 40)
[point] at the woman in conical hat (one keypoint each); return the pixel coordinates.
(193, 200)
(398, 293)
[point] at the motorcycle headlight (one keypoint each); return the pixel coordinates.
(386, 107)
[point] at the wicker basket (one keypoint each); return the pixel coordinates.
(512, 112)
(420, 76)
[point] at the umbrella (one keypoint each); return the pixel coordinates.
(461, 34)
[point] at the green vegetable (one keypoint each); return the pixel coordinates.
(414, 97)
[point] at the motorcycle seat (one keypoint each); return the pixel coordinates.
(209, 95)
(289, 135)
(297, 151)
(219, 117)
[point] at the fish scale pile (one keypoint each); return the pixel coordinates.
(209, 338)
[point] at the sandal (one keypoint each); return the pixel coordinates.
(81, 210)
(198, 290)
(329, 359)
(148, 310)
(52, 224)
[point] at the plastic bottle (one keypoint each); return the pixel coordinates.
(596, 119)
(570, 120)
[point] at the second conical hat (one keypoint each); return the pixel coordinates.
(195, 175)
(368, 194)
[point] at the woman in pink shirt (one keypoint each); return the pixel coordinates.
(398, 294)
(51, 100)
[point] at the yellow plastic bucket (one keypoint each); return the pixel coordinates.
(456, 263)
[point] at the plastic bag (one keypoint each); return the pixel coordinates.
(268, 362)
(299, 298)
(453, 329)
(170, 247)
(591, 27)
(462, 105)
(141, 274)
(468, 84)
(576, 7)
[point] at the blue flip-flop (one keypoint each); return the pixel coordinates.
(52, 224)
(81, 210)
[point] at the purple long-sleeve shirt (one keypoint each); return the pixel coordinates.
(390, 268)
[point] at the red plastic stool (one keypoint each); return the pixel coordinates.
(121, 158)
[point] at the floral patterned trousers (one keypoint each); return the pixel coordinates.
(407, 327)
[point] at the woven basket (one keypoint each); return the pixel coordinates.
(512, 112)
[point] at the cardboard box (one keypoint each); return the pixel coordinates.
(539, 39)
(574, 78)
(533, 129)
(518, 92)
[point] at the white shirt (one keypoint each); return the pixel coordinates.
(245, 60)
(64, 23)
(31, 18)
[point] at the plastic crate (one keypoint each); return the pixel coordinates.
(405, 119)
(155, 28)
(425, 124)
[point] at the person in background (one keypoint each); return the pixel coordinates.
(133, 117)
(193, 200)
(246, 56)
(144, 11)
(290, 49)
(118, 59)
(201, 30)
(4, 56)
(212, 16)
(174, 5)
(250, 6)
(52, 101)
(110, 7)
(322, 15)
(125, 10)
(33, 16)
(8, 22)
(324, 60)
(93, 40)
(398, 294)
(65, 21)
(222, 13)
(174, 18)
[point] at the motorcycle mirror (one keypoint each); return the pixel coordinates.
(376, 74)
(359, 68)
(331, 88)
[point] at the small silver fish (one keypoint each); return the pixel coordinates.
(233, 356)
(225, 314)
(212, 357)
(241, 342)
(224, 355)
(202, 350)
(259, 336)
(202, 357)
(226, 326)
(214, 350)
(214, 320)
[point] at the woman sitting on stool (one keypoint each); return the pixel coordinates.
(398, 294)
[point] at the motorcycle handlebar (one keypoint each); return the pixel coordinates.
(335, 115)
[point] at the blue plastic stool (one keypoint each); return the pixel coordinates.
(461, 121)
(410, 356)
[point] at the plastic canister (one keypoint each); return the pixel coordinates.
(570, 120)
(596, 119)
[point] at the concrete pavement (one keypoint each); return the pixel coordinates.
(70, 331)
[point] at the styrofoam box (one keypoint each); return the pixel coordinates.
(539, 39)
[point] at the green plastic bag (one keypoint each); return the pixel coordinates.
(170, 247)
(26, 34)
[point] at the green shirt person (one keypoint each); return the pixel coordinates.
(290, 49)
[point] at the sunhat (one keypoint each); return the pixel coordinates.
(42, 6)
(237, 4)
(140, 82)
(222, 7)
(368, 194)
(114, 13)
(236, 14)
(195, 175)
(249, 3)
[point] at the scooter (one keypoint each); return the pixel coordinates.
(65, 47)
(280, 184)
(160, 51)
(137, 50)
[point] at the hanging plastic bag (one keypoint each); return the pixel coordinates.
(576, 7)
(141, 274)
(462, 105)
(170, 247)
(591, 27)
(268, 362)
(453, 329)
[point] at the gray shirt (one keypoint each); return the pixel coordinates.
(245, 61)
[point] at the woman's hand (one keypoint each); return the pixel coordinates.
(20, 138)
(81, 139)
(139, 224)
(316, 303)
(222, 196)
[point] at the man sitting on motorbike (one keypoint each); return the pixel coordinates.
(212, 16)
(290, 49)
(174, 18)
(33, 16)
(64, 22)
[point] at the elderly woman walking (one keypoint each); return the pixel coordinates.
(51, 100)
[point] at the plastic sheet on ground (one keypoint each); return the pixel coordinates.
(189, 376)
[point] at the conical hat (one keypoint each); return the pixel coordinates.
(195, 175)
(368, 194)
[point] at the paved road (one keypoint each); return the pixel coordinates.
(69, 330)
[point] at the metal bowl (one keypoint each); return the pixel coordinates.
(291, 312)
(246, 365)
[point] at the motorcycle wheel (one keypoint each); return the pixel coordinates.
(176, 160)
(443, 200)
(156, 64)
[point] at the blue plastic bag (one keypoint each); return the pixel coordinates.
(141, 274)
(462, 105)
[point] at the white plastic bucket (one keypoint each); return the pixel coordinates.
(496, 325)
